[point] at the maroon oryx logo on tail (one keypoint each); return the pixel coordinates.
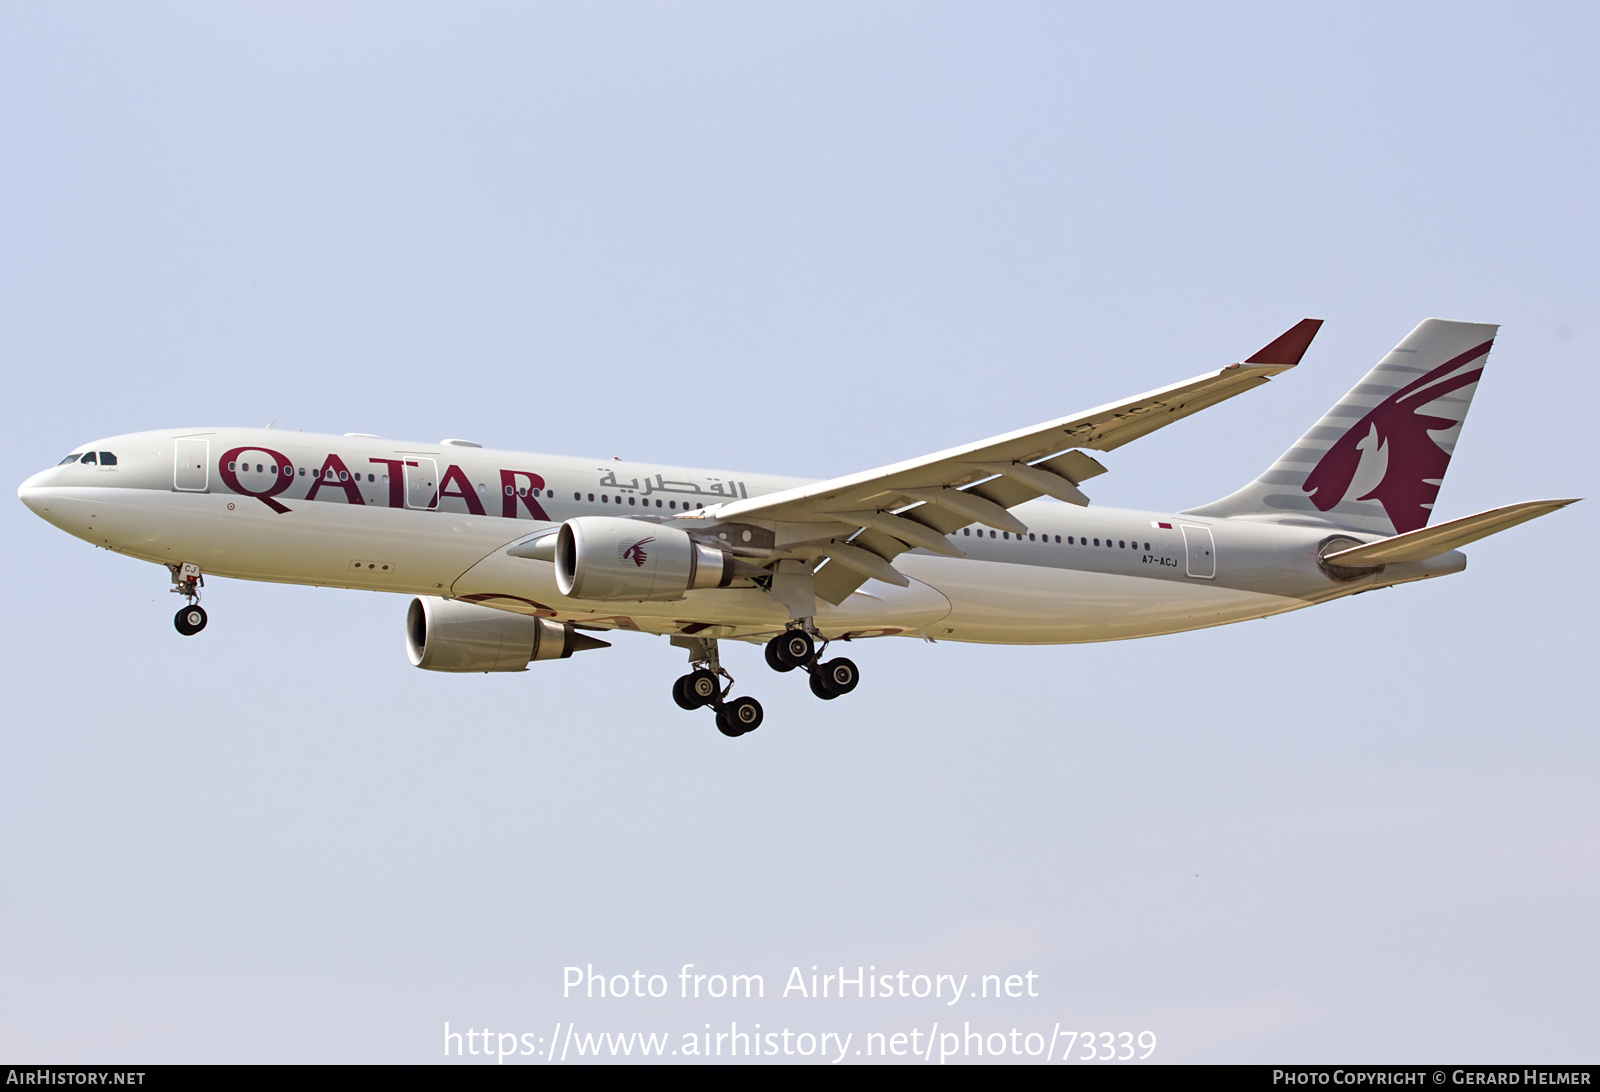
(1393, 438)
(635, 553)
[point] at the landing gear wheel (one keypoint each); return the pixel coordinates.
(739, 716)
(773, 659)
(840, 676)
(701, 687)
(681, 695)
(790, 649)
(834, 678)
(190, 620)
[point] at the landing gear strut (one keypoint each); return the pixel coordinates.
(187, 582)
(795, 648)
(704, 686)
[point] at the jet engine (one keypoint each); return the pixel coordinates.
(449, 635)
(600, 557)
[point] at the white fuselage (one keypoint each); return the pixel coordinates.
(437, 519)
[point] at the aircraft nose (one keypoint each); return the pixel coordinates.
(35, 494)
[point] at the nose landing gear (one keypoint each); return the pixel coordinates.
(187, 582)
(190, 620)
(703, 686)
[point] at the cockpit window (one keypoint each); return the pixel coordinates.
(107, 459)
(69, 459)
(88, 458)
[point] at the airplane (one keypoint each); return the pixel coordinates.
(515, 558)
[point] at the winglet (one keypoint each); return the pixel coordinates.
(1290, 346)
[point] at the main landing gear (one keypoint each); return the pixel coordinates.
(795, 648)
(187, 582)
(709, 684)
(704, 686)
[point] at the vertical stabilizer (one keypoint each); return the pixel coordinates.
(1376, 460)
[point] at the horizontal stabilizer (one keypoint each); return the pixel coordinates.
(1433, 541)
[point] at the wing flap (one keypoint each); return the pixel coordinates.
(836, 583)
(1432, 541)
(1074, 466)
(1006, 492)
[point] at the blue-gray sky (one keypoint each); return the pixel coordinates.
(804, 239)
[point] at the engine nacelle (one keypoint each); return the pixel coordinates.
(448, 635)
(600, 557)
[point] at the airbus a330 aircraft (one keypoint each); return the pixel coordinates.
(516, 558)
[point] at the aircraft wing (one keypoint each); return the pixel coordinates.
(919, 501)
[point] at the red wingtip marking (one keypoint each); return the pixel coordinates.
(1290, 345)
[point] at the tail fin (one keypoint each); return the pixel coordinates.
(1376, 460)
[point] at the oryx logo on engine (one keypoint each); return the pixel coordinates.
(635, 553)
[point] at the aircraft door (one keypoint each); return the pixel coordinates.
(422, 483)
(1201, 551)
(191, 465)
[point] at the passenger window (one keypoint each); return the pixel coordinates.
(577, 496)
(991, 534)
(1058, 540)
(966, 530)
(1097, 542)
(591, 498)
(604, 499)
(1005, 534)
(1146, 547)
(670, 504)
(1121, 545)
(631, 502)
(1030, 536)
(88, 458)
(107, 459)
(68, 459)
